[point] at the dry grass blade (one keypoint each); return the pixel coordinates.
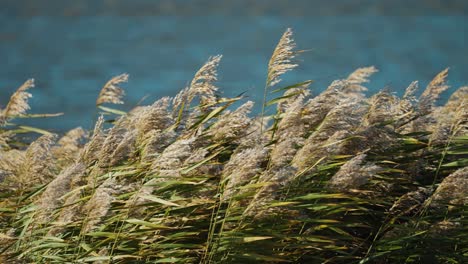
(111, 92)
(18, 104)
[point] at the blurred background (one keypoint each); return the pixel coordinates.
(72, 48)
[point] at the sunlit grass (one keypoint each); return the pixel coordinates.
(335, 178)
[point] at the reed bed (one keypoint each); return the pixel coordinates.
(336, 177)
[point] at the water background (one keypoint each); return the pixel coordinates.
(72, 48)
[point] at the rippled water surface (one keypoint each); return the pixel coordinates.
(72, 50)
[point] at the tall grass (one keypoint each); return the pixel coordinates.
(334, 178)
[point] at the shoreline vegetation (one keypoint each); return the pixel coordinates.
(336, 177)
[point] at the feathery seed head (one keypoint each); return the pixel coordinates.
(433, 90)
(384, 107)
(411, 91)
(100, 203)
(90, 151)
(353, 174)
(232, 125)
(72, 138)
(452, 190)
(154, 142)
(152, 117)
(407, 103)
(356, 79)
(180, 99)
(452, 118)
(11, 162)
(242, 166)
(5, 137)
(203, 82)
(51, 198)
(111, 92)
(361, 75)
(411, 202)
(39, 164)
(18, 104)
(69, 145)
(281, 60)
(171, 159)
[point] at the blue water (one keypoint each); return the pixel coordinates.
(71, 53)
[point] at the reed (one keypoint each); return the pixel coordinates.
(334, 178)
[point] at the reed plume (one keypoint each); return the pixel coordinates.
(357, 78)
(18, 104)
(433, 91)
(332, 178)
(281, 62)
(353, 174)
(282, 59)
(451, 191)
(52, 197)
(39, 165)
(232, 125)
(202, 83)
(69, 146)
(452, 119)
(10, 163)
(111, 92)
(89, 153)
(99, 204)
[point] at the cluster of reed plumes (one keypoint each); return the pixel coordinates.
(332, 178)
